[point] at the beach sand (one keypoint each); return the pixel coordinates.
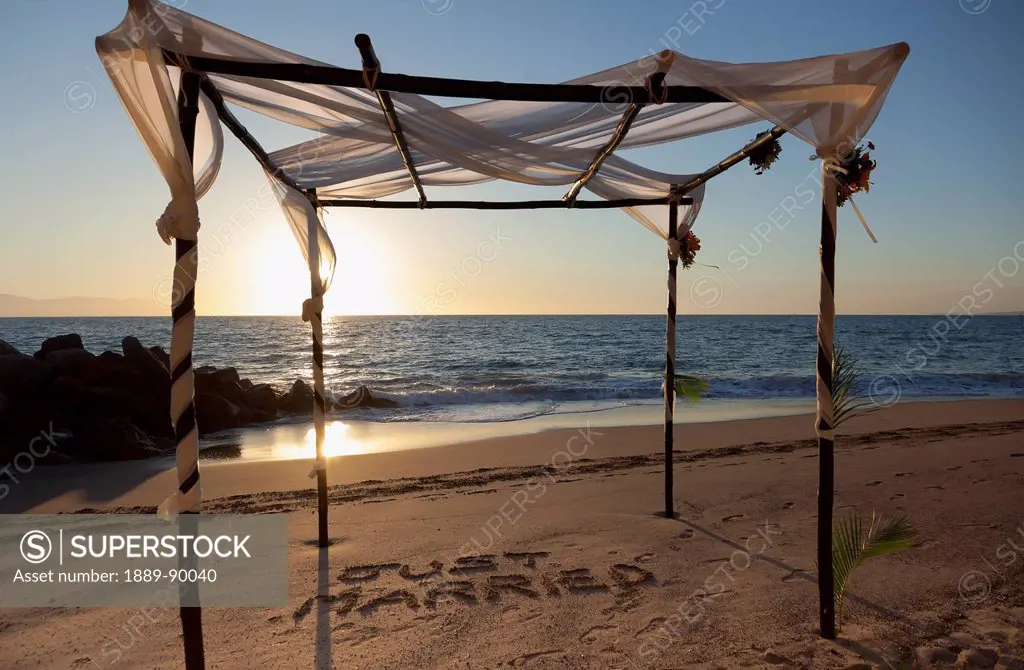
(574, 569)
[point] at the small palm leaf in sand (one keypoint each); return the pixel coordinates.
(846, 404)
(856, 539)
(690, 387)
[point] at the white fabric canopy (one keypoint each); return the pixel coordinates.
(541, 143)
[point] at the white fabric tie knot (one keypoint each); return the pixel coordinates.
(176, 224)
(319, 465)
(311, 306)
(832, 166)
(674, 248)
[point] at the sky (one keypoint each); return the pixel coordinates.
(80, 193)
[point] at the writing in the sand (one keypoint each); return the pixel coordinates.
(470, 580)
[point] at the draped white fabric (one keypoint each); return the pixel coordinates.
(305, 224)
(528, 142)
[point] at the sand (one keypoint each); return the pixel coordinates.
(545, 551)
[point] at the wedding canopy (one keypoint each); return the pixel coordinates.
(384, 134)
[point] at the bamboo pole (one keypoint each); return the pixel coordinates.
(670, 359)
(183, 384)
(319, 403)
(824, 423)
(371, 66)
(512, 204)
(655, 82)
(443, 87)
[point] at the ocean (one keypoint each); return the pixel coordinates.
(471, 369)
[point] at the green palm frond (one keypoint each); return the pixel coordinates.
(846, 404)
(691, 388)
(854, 541)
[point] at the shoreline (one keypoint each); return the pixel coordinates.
(144, 483)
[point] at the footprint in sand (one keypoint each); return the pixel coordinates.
(896, 496)
(686, 534)
(652, 626)
(644, 558)
(596, 633)
(874, 483)
(731, 517)
(955, 467)
(938, 487)
(1017, 455)
(787, 505)
(904, 474)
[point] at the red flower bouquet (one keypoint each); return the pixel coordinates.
(858, 166)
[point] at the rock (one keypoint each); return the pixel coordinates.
(69, 362)
(263, 400)
(977, 658)
(931, 657)
(160, 355)
(215, 413)
(246, 384)
(113, 440)
(221, 382)
(362, 397)
(7, 349)
(298, 399)
(22, 375)
(149, 364)
(113, 370)
(70, 341)
(81, 405)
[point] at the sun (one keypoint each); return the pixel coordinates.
(363, 276)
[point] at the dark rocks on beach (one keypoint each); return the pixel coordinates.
(362, 397)
(116, 406)
(72, 341)
(298, 399)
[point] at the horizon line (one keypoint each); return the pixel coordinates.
(547, 314)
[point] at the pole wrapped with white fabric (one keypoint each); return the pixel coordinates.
(183, 413)
(184, 228)
(670, 347)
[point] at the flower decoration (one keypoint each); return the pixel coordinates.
(765, 154)
(689, 245)
(855, 175)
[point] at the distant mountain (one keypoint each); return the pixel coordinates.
(15, 305)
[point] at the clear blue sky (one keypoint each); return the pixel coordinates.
(80, 193)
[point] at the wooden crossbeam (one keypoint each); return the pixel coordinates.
(513, 204)
(654, 83)
(440, 86)
(772, 135)
(371, 68)
(243, 135)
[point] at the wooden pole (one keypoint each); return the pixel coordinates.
(371, 67)
(319, 403)
(824, 424)
(655, 82)
(183, 329)
(450, 88)
(772, 135)
(670, 358)
(513, 204)
(243, 135)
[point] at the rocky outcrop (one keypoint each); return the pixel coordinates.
(115, 406)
